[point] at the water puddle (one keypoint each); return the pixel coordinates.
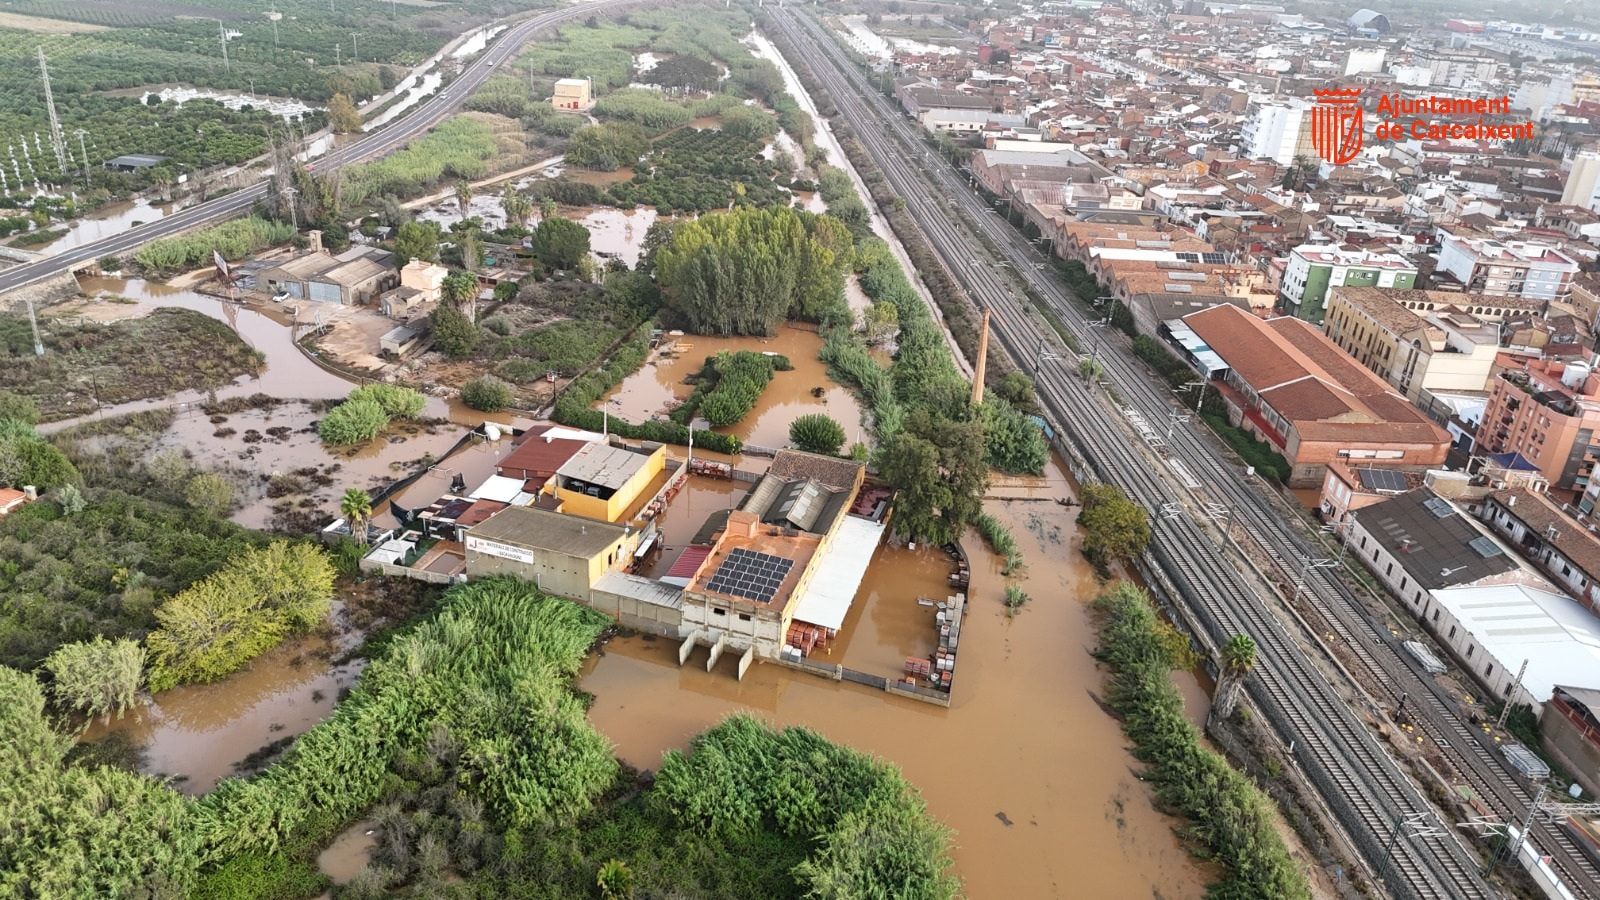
(1025, 766)
(652, 390)
(344, 859)
(618, 233)
(286, 108)
(110, 220)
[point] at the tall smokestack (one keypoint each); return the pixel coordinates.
(983, 359)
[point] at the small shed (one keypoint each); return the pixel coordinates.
(401, 340)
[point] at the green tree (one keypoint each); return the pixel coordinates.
(209, 492)
(28, 459)
(463, 194)
(453, 333)
(98, 678)
(486, 394)
(1238, 659)
(1016, 389)
(352, 422)
(816, 433)
(1114, 527)
(417, 240)
(936, 466)
(343, 117)
(607, 147)
(517, 206)
(355, 507)
(559, 243)
(215, 626)
(1012, 442)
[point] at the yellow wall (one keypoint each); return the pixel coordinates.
(611, 510)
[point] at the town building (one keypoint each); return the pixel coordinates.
(12, 499)
(607, 481)
(1568, 551)
(133, 162)
(1279, 130)
(1570, 726)
(1446, 349)
(1284, 381)
(1315, 269)
(1582, 187)
(1481, 602)
(573, 95)
(1548, 411)
(1505, 268)
(421, 283)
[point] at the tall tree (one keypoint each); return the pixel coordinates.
(1114, 527)
(343, 117)
(417, 240)
(463, 192)
(560, 243)
(355, 507)
(936, 465)
(517, 206)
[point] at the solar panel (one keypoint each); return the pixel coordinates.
(1381, 479)
(1189, 257)
(746, 573)
(1217, 259)
(1484, 547)
(1439, 508)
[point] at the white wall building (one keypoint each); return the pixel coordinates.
(1363, 59)
(1583, 182)
(1278, 131)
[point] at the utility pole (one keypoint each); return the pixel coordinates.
(1511, 696)
(85, 154)
(222, 37)
(338, 55)
(57, 141)
(33, 320)
(355, 48)
(294, 217)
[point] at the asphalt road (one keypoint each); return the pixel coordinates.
(380, 143)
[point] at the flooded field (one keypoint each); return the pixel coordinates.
(200, 734)
(109, 220)
(700, 497)
(653, 389)
(1026, 768)
(179, 94)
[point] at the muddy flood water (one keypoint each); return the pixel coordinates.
(202, 733)
(1026, 768)
(655, 388)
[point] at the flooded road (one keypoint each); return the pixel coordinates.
(202, 733)
(111, 219)
(1027, 769)
(650, 391)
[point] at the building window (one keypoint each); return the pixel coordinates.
(1488, 670)
(1388, 570)
(718, 612)
(1403, 583)
(744, 617)
(1470, 648)
(1436, 615)
(1452, 632)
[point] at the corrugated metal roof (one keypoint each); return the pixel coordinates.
(827, 598)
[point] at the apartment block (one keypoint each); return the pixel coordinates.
(1315, 269)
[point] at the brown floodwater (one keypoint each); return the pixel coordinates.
(199, 733)
(886, 624)
(617, 233)
(651, 391)
(1026, 768)
(700, 496)
(344, 859)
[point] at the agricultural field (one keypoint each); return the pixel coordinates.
(307, 54)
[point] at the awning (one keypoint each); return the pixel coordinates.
(498, 487)
(1185, 337)
(838, 573)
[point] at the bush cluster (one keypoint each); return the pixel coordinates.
(728, 387)
(367, 411)
(1233, 819)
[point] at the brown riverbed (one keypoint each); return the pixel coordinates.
(1032, 775)
(652, 390)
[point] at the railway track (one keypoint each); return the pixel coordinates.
(1359, 780)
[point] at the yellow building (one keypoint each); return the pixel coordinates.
(572, 95)
(1415, 343)
(607, 482)
(563, 555)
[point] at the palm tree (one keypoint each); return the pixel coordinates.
(517, 206)
(356, 508)
(615, 880)
(1238, 658)
(464, 195)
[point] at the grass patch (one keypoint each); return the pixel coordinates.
(999, 539)
(89, 365)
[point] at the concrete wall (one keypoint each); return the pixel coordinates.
(630, 612)
(56, 289)
(555, 573)
(1571, 748)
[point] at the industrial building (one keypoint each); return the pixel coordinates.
(352, 278)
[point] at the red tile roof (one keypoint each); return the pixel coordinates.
(537, 458)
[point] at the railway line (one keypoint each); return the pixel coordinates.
(1361, 783)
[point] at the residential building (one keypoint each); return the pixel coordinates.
(1444, 350)
(421, 282)
(573, 95)
(1279, 130)
(12, 499)
(1570, 725)
(1548, 411)
(1567, 550)
(1506, 268)
(1285, 381)
(1583, 182)
(1348, 487)
(1313, 270)
(133, 162)
(1481, 602)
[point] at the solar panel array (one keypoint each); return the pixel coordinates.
(1381, 479)
(1217, 259)
(1484, 547)
(746, 573)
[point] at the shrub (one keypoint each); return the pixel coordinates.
(1114, 527)
(18, 408)
(999, 539)
(395, 401)
(730, 385)
(487, 394)
(453, 332)
(352, 422)
(1232, 818)
(97, 677)
(816, 433)
(232, 239)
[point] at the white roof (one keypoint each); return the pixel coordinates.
(499, 488)
(839, 572)
(561, 432)
(1558, 637)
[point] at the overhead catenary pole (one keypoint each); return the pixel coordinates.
(1511, 695)
(83, 152)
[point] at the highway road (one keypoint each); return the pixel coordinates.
(1180, 472)
(367, 147)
